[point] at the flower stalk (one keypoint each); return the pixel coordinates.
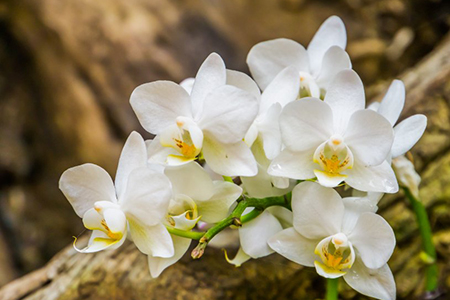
(332, 289)
(427, 240)
(236, 218)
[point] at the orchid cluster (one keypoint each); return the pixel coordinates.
(256, 162)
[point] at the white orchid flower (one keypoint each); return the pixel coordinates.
(408, 131)
(195, 197)
(316, 66)
(212, 120)
(253, 235)
(340, 238)
(138, 201)
(336, 140)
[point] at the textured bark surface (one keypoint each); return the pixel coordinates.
(67, 69)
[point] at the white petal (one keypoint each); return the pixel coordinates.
(283, 89)
(115, 220)
(331, 33)
(379, 178)
(217, 208)
(407, 133)
(392, 104)
(406, 174)
(374, 239)
(228, 113)
(147, 196)
(266, 59)
(211, 75)
(243, 82)
(100, 241)
(240, 258)
(229, 159)
(306, 124)
(157, 153)
(295, 165)
(158, 264)
(345, 95)
(377, 283)
(226, 238)
(254, 234)
(133, 156)
(290, 244)
(158, 103)
(318, 210)
(251, 135)
(187, 84)
(151, 240)
(369, 136)
(92, 220)
(261, 186)
(327, 180)
(354, 207)
(269, 130)
(86, 184)
(191, 180)
(283, 215)
(327, 272)
(334, 61)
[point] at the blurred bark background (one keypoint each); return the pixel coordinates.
(67, 69)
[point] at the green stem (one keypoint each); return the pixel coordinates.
(193, 235)
(332, 289)
(427, 240)
(235, 218)
(228, 178)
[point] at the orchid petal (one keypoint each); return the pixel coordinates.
(374, 239)
(86, 184)
(218, 206)
(334, 61)
(133, 156)
(392, 104)
(266, 59)
(269, 130)
(378, 283)
(100, 241)
(188, 84)
(318, 210)
(379, 178)
(369, 136)
(240, 258)
(157, 104)
(345, 96)
(292, 245)
(243, 82)
(283, 89)
(151, 240)
(306, 124)
(254, 235)
(331, 33)
(228, 113)
(295, 165)
(407, 133)
(229, 159)
(210, 76)
(158, 264)
(191, 180)
(147, 196)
